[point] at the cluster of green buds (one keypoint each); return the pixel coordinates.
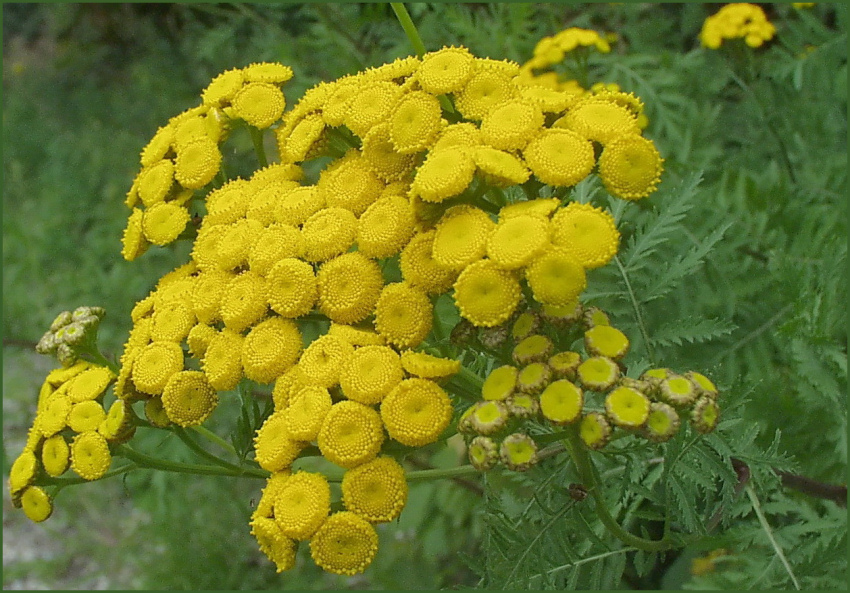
(564, 366)
(72, 334)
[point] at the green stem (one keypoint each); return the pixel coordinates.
(214, 438)
(467, 382)
(259, 148)
(769, 532)
(190, 442)
(590, 479)
(69, 481)
(186, 468)
(437, 473)
(636, 307)
(416, 41)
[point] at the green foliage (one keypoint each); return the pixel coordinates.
(735, 267)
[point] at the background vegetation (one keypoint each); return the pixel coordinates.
(738, 267)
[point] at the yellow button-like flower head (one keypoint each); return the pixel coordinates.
(445, 71)
(223, 88)
(559, 157)
(302, 504)
(426, 366)
(277, 547)
(376, 490)
(55, 455)
(595, 430)
(328, 233)
(223, 360)
(90, 456)
(627, 407)
(518, 452)
(260, 104)
(561, 402)
(274, 447)
(85, 416)
(598, 373)
(270, 349)
(498, 167)
(485, 294)
(245, 301)
(445, 173)
(420, 269)
(416, 412)
(556, 277)
(188, 398)
(517, 239)
(89, 384)
(630, 167)
(461, 236)
(36, 504)
(275, 242)
(298, 204)
(370, 373)
(349, 287)
(589, 233)
(403, 315)
(306, 412)
(663, 422)
(485, 90)
(133, 242)
(351, 434)
(386, 227)
(197, 163)
(415, 122)
(155, 364)
(322, 361)
(604, 340)
(510, 125)
(600, 119)
(292, 287)
(345, 544)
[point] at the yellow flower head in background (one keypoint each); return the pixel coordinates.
(739, 20)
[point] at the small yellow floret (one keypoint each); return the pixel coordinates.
(445, 71)
(370, 374)
(270, 349)
(90, 456)
(630, 167)
(559, 157)
(302, 504)
(345, 544)
(517, 239)
(403, 315)
(588, 233)
(349, 287)
(376, 490)
(351, 434)
(416, 412)
(556, 277)
(485, 294)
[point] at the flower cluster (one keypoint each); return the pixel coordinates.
(72, 429)
(589, 388)
(71, 333)
(441, 174)
(733, 21)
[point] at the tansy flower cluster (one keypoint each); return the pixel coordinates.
(734, 21)
(588, 387)
(72, 430)
(429, 180)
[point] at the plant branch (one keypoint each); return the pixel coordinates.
(769, 532)
(147, 461)
(636, 307)
(259, 148)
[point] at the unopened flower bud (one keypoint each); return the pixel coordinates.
(494, 337)
(64, 318)
(518, 452)
(47, 344)
(705, 414)
(483, 453)
(73, 334)
(662, 424)
(66, 354)
(488, 417)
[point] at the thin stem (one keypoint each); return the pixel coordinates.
(769, 532)
(214, 438)
(436, 474)
(259, 147)
(636, 307)
(186, 468)
(62, 482)
(590, 479)
(190, 442)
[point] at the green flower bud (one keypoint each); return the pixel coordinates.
(562, 317)
(73, 334)
(522, 405)
(155, 412)
(705, 414)
(598, 373)
(627, 407)
(66, 355)
(494, 337)
(47, 344)
(81, 312)
(662, 423)
(534, 377)
(500, 383)
(526, 324)
(594, 430)
(64, 318)
(677, 391)
(565, 364)
(488, 417)
(518, 452)
(483, 453)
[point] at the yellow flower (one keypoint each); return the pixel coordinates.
(462, 134)
(277, 547)
(548, 100)
(385, 227)
(55, 455)
(510, 125)
(588, 233)
(158, 147)
(345, 544)
(444, 174)
(532, 348)
(270, 349)
(328, 233)
(155, 364)
(398, 68)
(381, 156)
(351, 434)
(630, 167)
(349, 287)
(483, 453)
(533, 377)
(207, 294)
(702, 383)
(559, 157)
(338, 95)
(223, 361)
(23, 471)
(272, 72)
(322, 361)
(265, 198)
(420, 269)
(485, 294)
(598, 373)
(627, 407)
(517, 239)
(564, 365)
(118, 425)
(542, 207)
(286, 386)
(561, 402)
(461, 236)
(171, 322)
(298, 204)
(222, 88)
(416, 412)
(498, 167)
(292, 287)
(197, 163)
(274, 448)
(188, 398)
(260, 104)
(525, 324)
(486, 89)
(705, 415)
(604, 340)
(265, 506)
(737, 20)
(370, 106)
(306, 412)
(199, 126)
(427, 366)
(275, 242)
(90, 456)
(55, 415)
(245, 301)
(500, 383)
(36, 504)
(403, 315)
(351, 184)
(445, 71)
(133, 242)
(597, 118)
(305, 140)
(376, 490)
(556, 277)
(235, 243)
(518, 452)
(155, 182)
(89, 384)
(302, 504)
(594, 430)
(415, 122)
(677, 390)
(85, 416)
(227, 203)
(370, 373)
(356, 336)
